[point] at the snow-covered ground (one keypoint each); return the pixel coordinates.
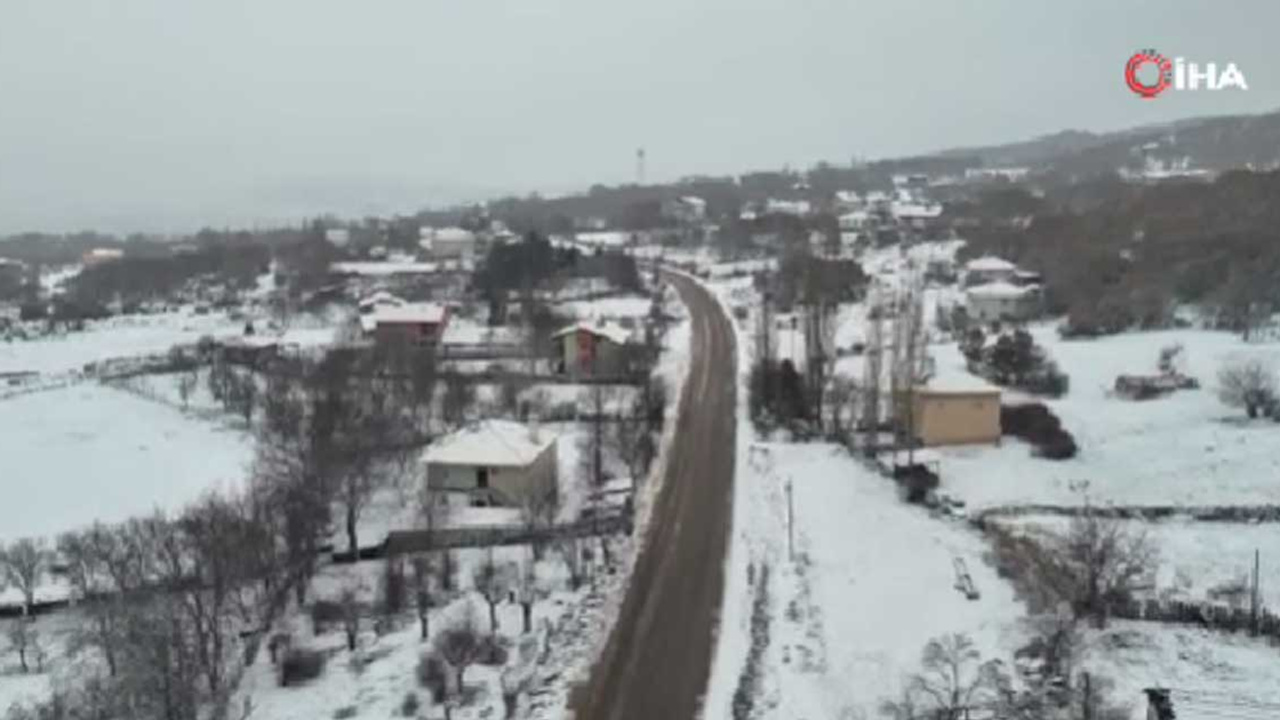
(133, 335)
(869, 582)
(1212, 675)
(872, 580)
(1193, 557)
(1184, 449)
(88, 452)
(113, 338)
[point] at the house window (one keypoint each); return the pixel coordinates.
(482, 478)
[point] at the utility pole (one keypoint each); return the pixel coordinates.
(791, 521)
(1253, 611)
(1088, 696)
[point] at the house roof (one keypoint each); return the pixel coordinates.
(493, 443)
(382, 298)
(957, 382)
(916, 210)
(990, 263)
(1000, 291)
(406, 313)
(614, 333)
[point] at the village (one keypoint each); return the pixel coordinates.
(462, 436)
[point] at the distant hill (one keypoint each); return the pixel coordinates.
(1213, 143)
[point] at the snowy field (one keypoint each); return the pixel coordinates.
(1212, 675)
(133, 335)
(1184, 449)
(86, 453)
(872, 580)
(113, 338)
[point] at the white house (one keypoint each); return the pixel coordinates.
(449, 242)
(338, 237)
(494, 462)
(787, 207)
(855, 220)
(989, 269)
(1002, 301)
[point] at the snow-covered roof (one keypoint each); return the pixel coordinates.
(916, 210)
(492, 443)
(990, 263)
(453, 234)
(406, 313)
(957, 381)
(614, 333)
(693, 200)
(1000, 291)
(382, 298)
(382, 268)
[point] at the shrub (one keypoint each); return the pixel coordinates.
(1058, 446)
(917, 482)
(433, 676)
(1037, 424)
(409, 706)
(492, 651)
(300, 665)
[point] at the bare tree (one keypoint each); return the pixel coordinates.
(1103, 562)
(952, 681)
(873, 377)
(539, 507)
(528, 591)
(632, 442)
(423, 593)
(1249, 383)
(88, 556)
(241, 396)
(25, 563)
(350, 604)
(25, 641)
(840, 406)
(592, 447)
(187, 381)
(459, 399)
(459, 645)
(493, 581)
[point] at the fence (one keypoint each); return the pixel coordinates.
(1208, 615)
(1201, 513)
(402, 542)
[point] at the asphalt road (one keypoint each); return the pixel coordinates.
(657, 660)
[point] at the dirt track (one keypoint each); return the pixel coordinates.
(658, 657)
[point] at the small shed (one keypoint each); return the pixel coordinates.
(956, 411)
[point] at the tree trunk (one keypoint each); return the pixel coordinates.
(423, 621)
(352, 541)
(528, 617)
(493, 617)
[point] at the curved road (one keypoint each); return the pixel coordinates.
(657, 661)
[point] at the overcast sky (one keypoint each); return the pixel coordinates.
(166, 115)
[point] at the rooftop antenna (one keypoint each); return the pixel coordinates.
(639, 166)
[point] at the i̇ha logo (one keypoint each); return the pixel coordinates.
(1178, 74)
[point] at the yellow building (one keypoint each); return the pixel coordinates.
(965, 412)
